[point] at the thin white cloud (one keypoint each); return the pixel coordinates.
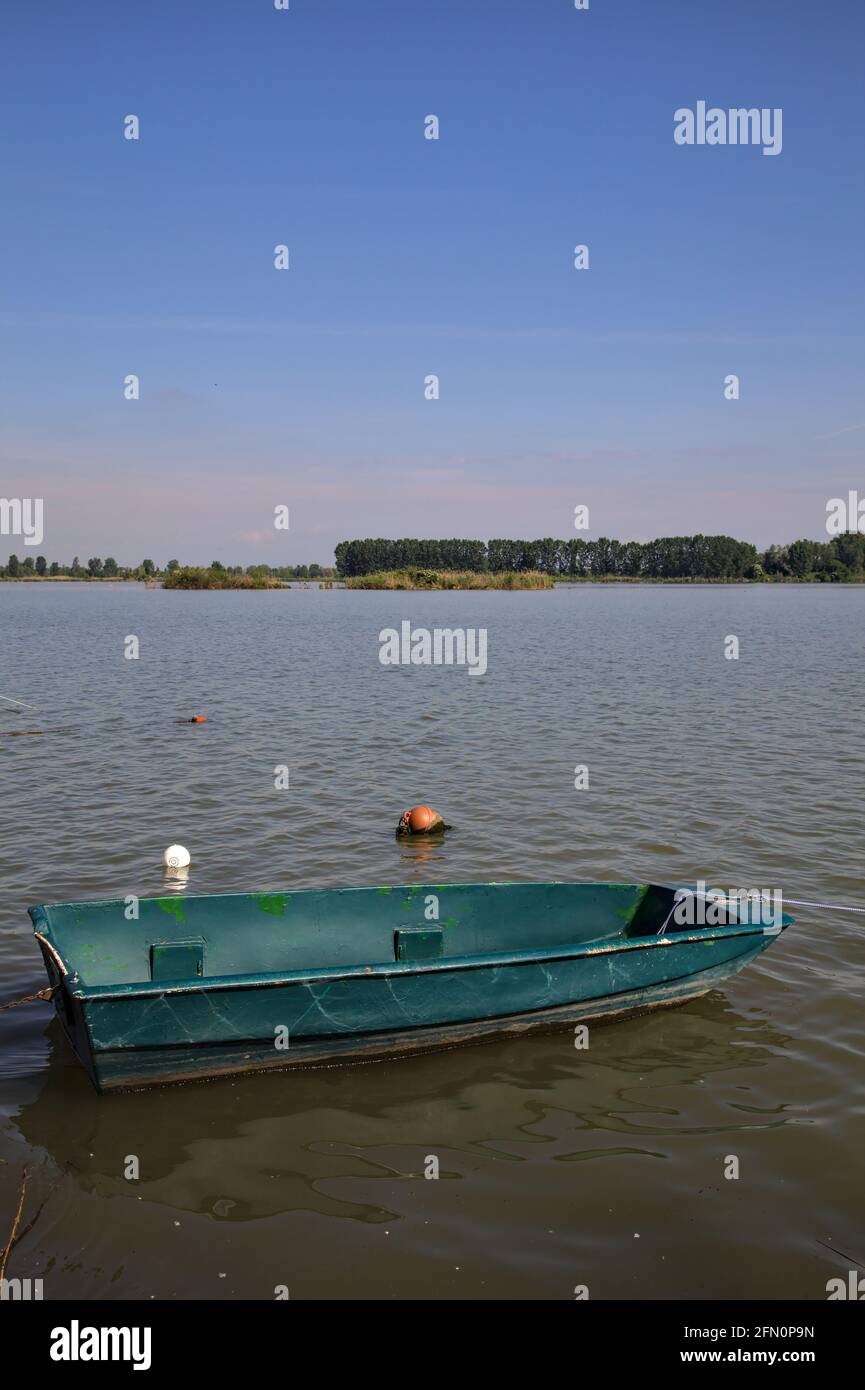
(848, 429)
(687, 337)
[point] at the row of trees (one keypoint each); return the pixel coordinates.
(370, 556)
(97, 568)
(94, 569)
(841, 558)
(273, 571)
(669, 557)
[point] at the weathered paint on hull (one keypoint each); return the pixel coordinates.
(218, 1032)
(167, 1066)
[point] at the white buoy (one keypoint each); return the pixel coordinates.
(176, 857)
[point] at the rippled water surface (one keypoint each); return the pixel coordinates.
(558, 1167)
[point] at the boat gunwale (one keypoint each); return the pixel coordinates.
(147, 989)
(45, 908)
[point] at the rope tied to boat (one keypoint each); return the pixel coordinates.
(832, 907)
(45, 994)
(795, 902)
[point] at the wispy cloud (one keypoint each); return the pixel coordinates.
(638, 337)
(848, 429)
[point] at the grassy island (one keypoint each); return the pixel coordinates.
(449, 579)
(191, 577)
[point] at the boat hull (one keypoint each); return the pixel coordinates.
(134, 1038)
(122, 1070)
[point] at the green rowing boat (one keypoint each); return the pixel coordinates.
(203, 986)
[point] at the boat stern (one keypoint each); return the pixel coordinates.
(67, 1003)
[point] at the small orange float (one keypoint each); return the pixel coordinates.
(420, 820)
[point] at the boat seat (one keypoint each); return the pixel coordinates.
(418, 943)
(177, 960)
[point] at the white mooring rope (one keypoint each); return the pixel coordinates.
(834, 907)
(796, 902)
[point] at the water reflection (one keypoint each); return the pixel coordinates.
(263, 1145)
(418, 850)
(176, 880)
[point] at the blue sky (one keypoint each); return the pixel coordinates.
(411, 257)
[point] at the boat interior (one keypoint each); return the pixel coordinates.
(185, 938)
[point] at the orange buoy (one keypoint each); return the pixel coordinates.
(198, 719)
(420, 820)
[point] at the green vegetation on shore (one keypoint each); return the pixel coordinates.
(98, 569)
(195, 577)
(681, 558)
(449, 579)
(497, 564)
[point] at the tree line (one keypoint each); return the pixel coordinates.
(371, 556)
(97, 568)
(669, 557)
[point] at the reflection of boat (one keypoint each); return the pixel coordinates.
(282, 1143)
(208, 985)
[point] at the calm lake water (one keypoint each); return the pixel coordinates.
(558, 1167)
